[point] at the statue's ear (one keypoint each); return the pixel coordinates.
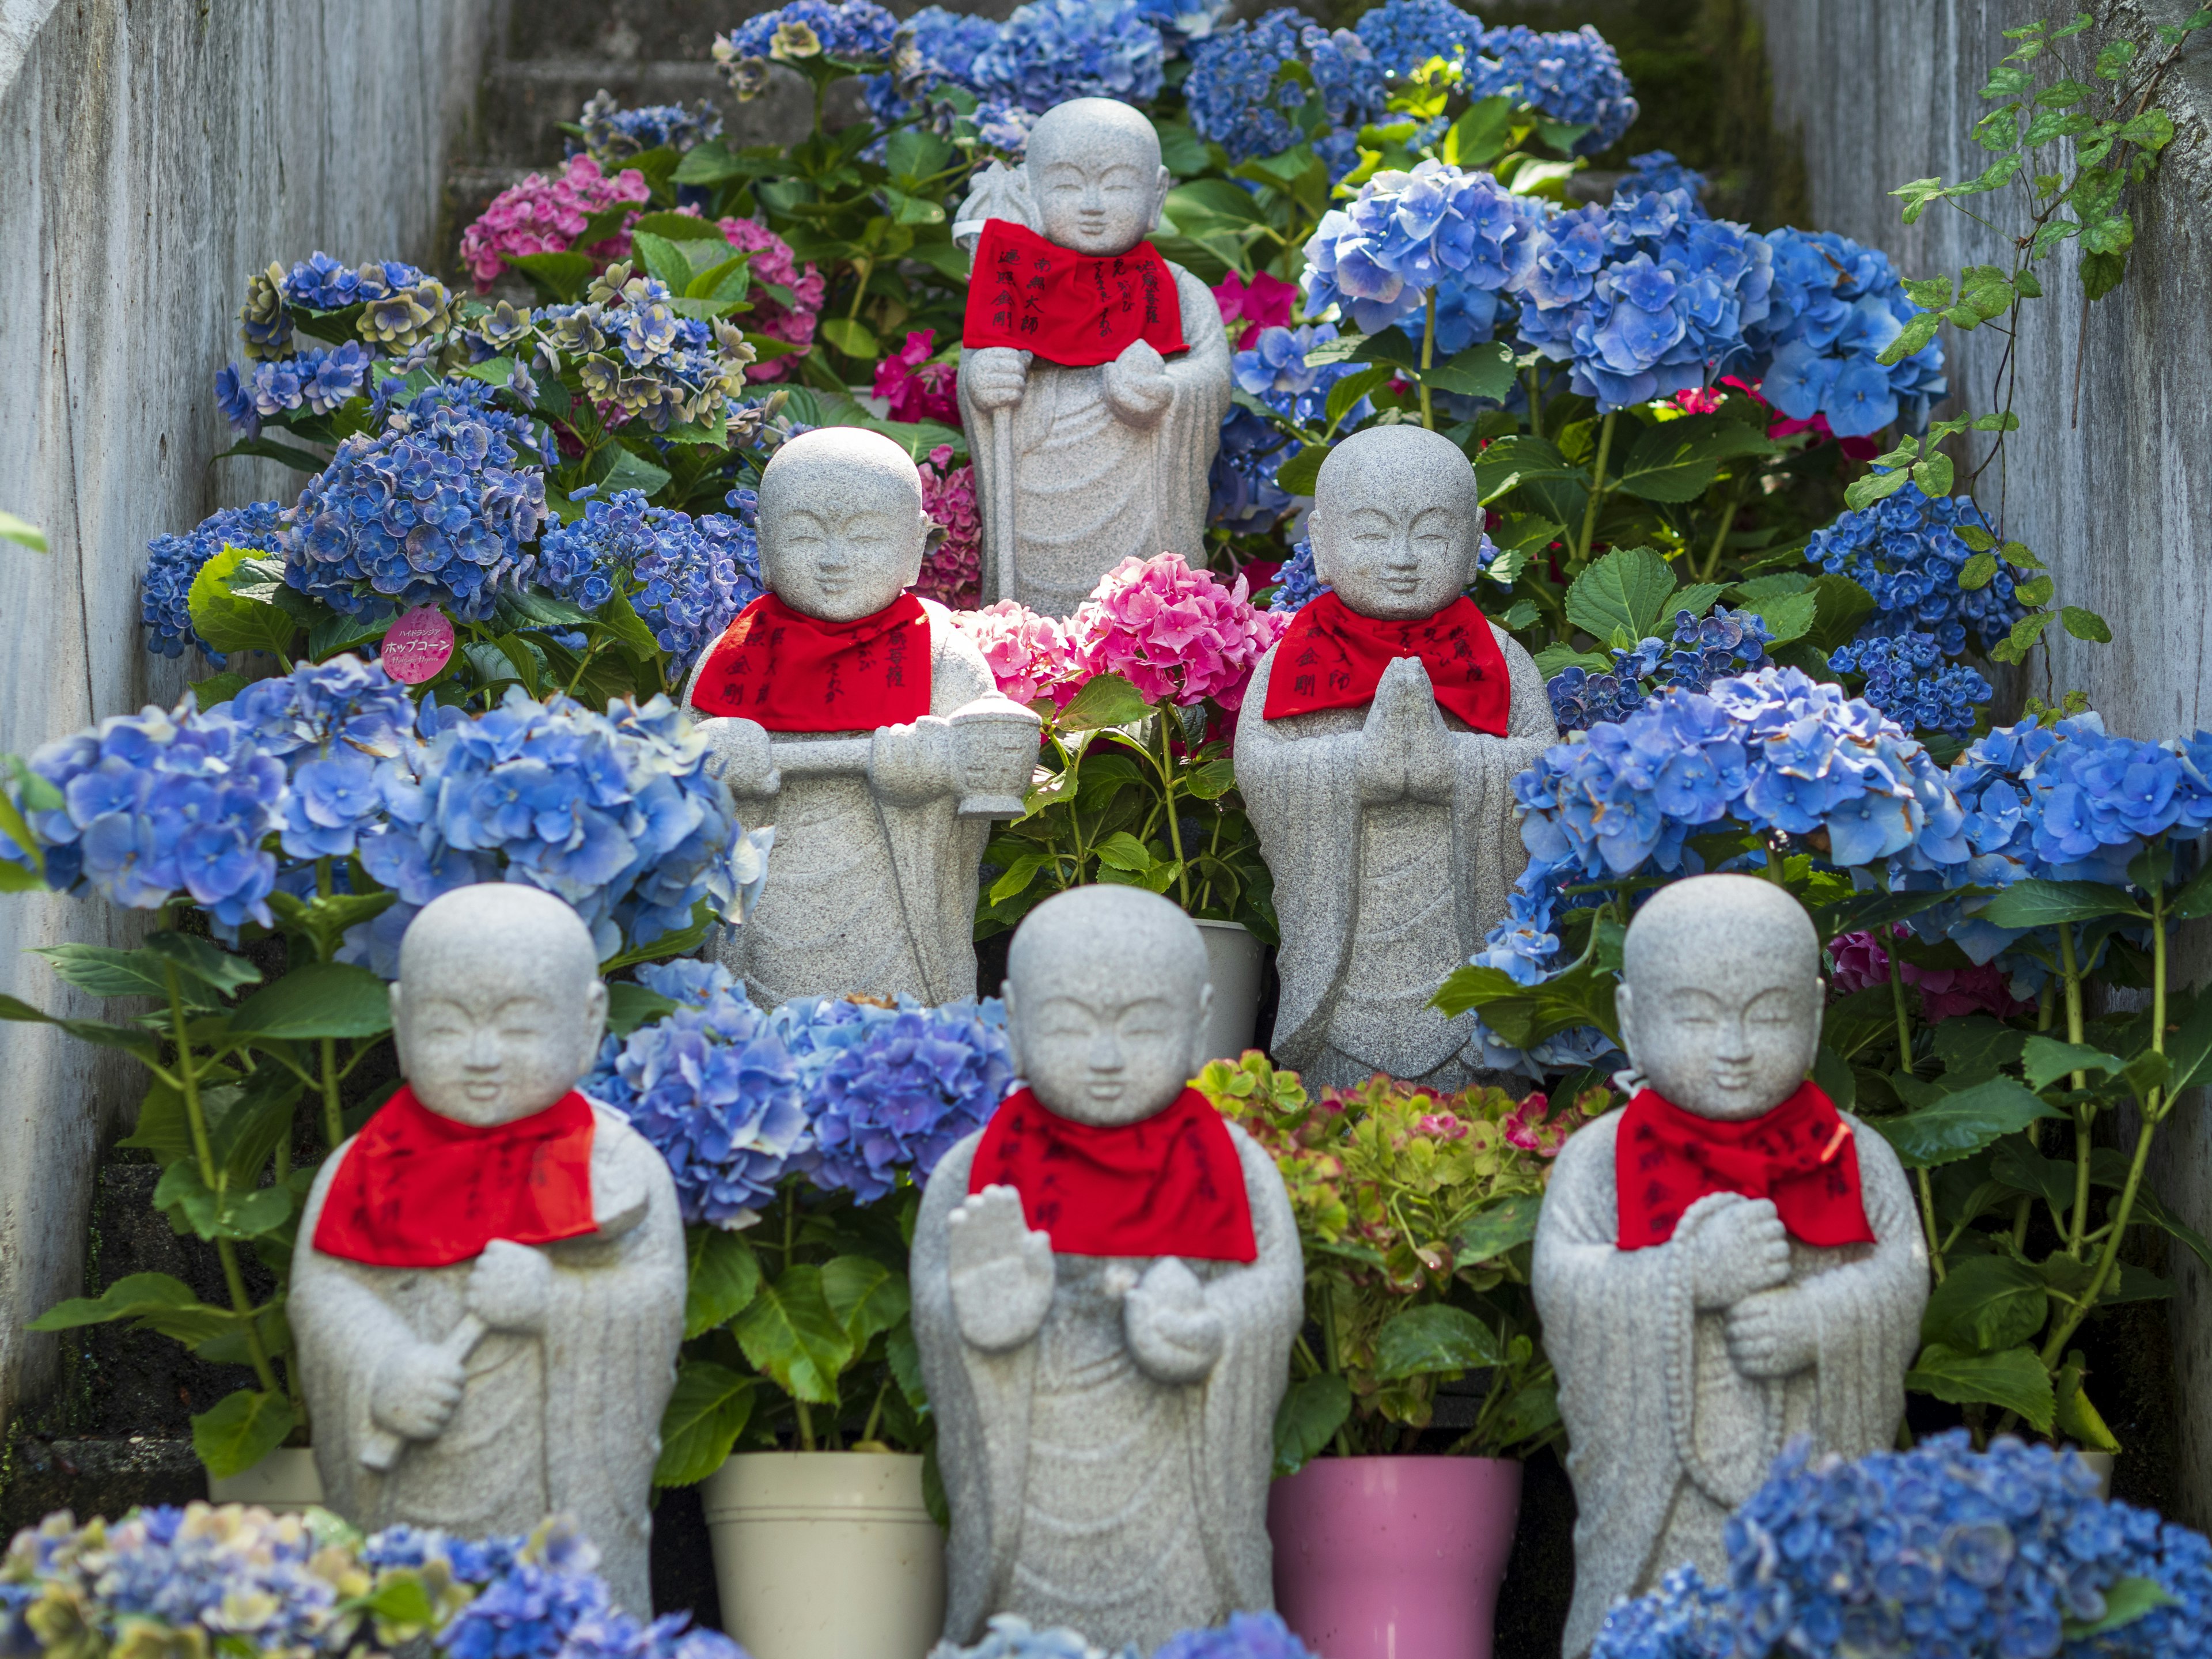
(1013, 1040)
(1198, 1054)
(1160, 189)
(398, 1028)
(1622, 1003)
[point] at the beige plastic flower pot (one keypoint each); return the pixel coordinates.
(284, 1483)
(1233, 957)
(825, 1555)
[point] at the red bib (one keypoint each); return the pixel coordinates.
(1074, 309)
(418, 1190)
(1170, 1186)
(1802, 1155)
(793, 673)
(1333, 658)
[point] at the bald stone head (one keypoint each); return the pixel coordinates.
(1396, 522)
(1095, 175)
(842, 530)
(1107, 993)
(1720, 994)
(499, 1007)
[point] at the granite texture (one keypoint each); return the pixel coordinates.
(879, 835)
(1105, 1426)
(482, 1396)
(1391, 831)
(1078, 469)
(1685, 1367)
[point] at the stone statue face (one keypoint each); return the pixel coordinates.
(1095, 175)
(841, 528)
(1720, 996)
(498, 1008)
(1107, 993)
(1396, 524)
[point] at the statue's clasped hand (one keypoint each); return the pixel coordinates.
(739, 754)
(1737, 1249)
(1174, 1335)
(912, 765)
(1002, 1272)
(996, 376)
(1772, 1334)
(1138, 389)
(1404, 751)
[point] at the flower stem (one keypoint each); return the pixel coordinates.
(1928, 1220)
(1428, 361)
(1535, 404)
(1720, 538)
(1597, 491)
(333, 1112)
(2079, 1223)
(1167, 792)
(1897, 1007)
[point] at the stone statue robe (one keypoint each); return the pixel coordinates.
(1088, 488)
(1084, 1492)
(1378, 903)
(568, 1423)
(1667, 1438)
(864, 894)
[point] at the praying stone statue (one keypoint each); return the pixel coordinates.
(1094, 374)
(1727, 1262)
(1375, 752)
(1107, 1283)
(869, 726)
(487, 1286)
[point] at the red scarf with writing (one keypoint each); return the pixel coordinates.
(793, 672)
(418, 1190)
(1333, 658)
(1802, 1155)
(1074, 309)
(1171, 1185)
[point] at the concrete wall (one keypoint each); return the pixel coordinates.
(2120, 505)
(154, 154)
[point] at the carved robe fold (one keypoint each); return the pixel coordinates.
(1666, 1439)
(1378, 903)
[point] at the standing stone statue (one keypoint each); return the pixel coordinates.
(1093, 435)
(874, 726)
(488, 1287)
(1376, 751)
(1105, 1385)
(1728, 1261)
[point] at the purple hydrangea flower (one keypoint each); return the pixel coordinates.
(1906, 550)
(172, 562)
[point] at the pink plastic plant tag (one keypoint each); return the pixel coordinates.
(418, 646)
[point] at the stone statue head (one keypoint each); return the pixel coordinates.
(1720, 995)
(1094, 176)
(499, 1007)
(1396, 522)
(842, 531)
(1107, 993)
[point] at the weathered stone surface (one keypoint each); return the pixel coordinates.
(879, 835)
(1391, 829)
(1104, 463)
(1104, 1425)
(483, 1395)
(1685, 1367)
(157, 157)
(2118, 502)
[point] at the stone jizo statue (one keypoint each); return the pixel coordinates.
(488, 1287)
(1728, 1261)
(856, 715)
(1376, 750)
(1086, 453)
(1107, 1283)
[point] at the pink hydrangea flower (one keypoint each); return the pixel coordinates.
(1699, 400)
(1860, 961)
(1029, 655)
(916, 388)
(952, 573)
(774, 262)
(1531, 1128)
(1945, 992)
(545, 214)
(1175, 634)
(1264, 303)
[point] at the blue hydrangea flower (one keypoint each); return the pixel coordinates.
(1904, 550)
(1908, 679)
(321, 283)
(1180, 23)
(1723, 644)
(1240, 97)
(1404, 34)
(687, 578)
(318, 380)
(1241, 491)
(1645, 297)
(1573, 76)
(1246, 1636)
(435, 511)
(638, 358)
(173, 562)
(1012, 1637)
(1295, 584)
(332, 725)
(856, 32)
(1437, 227)
(612, 136)
(1051, 51)
(1834, 306)
(933, 48)
(1657, 169)
(712, 1088)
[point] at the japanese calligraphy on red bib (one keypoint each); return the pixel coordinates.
(1073, 309)
(1333, 658)
(1800, 1155)
(793, 672)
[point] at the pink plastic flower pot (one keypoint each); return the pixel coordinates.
(1394, 1558)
